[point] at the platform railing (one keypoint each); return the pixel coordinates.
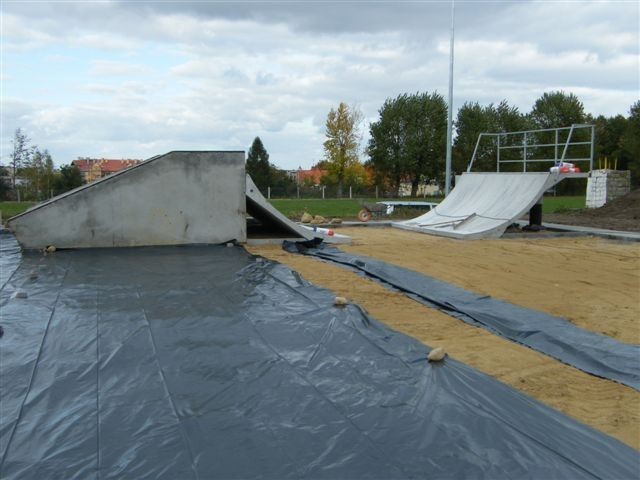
(528, 146)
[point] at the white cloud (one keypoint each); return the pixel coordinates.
(107, 68)
(144, 78)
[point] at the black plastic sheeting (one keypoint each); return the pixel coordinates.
(9, 256)
(588, 351)
(205, 362)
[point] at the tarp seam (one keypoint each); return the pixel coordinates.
(33, 373)
(166, 388)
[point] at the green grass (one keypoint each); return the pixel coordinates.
(348, 209)
(558, 204)
(9, 209)
(342, 208)
(294, 207)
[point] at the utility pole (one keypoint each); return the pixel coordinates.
(447, 181)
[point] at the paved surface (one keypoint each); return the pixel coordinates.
(599, 232)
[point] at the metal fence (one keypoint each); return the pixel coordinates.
(331, 191)
(573, 144)
(321, 192)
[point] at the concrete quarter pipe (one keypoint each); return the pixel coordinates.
(483, 205)
(180, 198)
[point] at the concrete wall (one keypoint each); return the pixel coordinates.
(606, 185)
(174, 199)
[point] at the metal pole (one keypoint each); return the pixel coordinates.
(593, 141)
(475, 150)
(350, 195)
(268, 193)
(524, 165)
(566, 145)
(447, 181)
(498, 164)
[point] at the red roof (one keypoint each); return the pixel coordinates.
(106, 165)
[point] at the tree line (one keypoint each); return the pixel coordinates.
(408, 140)
(407, 143)
(31, 174)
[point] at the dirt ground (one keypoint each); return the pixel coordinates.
(592, 282)
(620, 214)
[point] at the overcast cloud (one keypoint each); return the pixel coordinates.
(135, 79)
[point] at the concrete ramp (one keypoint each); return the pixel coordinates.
(274, 226)
(270, 218)
(178, 198)
(483, 205)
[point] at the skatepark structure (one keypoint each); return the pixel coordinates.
(179, 198)
(483, 205)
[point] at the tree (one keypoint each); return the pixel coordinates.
(5, 187)
(426, 138)
(387, 143)
(48, 174)
(630, 142)
(473, 119)
(609, 134)
(342, 130)
(557, 109)
(20, 154)
(68, 179)
(408, 142)
(38, 170)
(258, 164)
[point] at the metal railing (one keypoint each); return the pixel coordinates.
(529, 145)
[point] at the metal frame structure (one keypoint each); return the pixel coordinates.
(526, 147)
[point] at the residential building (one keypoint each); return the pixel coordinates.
(95, 168)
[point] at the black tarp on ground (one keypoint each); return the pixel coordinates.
(9, 256)
(202, 363)
(589, 351)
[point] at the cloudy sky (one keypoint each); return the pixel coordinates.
(133, 79)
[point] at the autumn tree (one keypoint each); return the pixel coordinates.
(342, 130)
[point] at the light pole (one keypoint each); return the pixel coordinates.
(447, 182)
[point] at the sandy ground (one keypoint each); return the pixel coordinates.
(593, 283)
